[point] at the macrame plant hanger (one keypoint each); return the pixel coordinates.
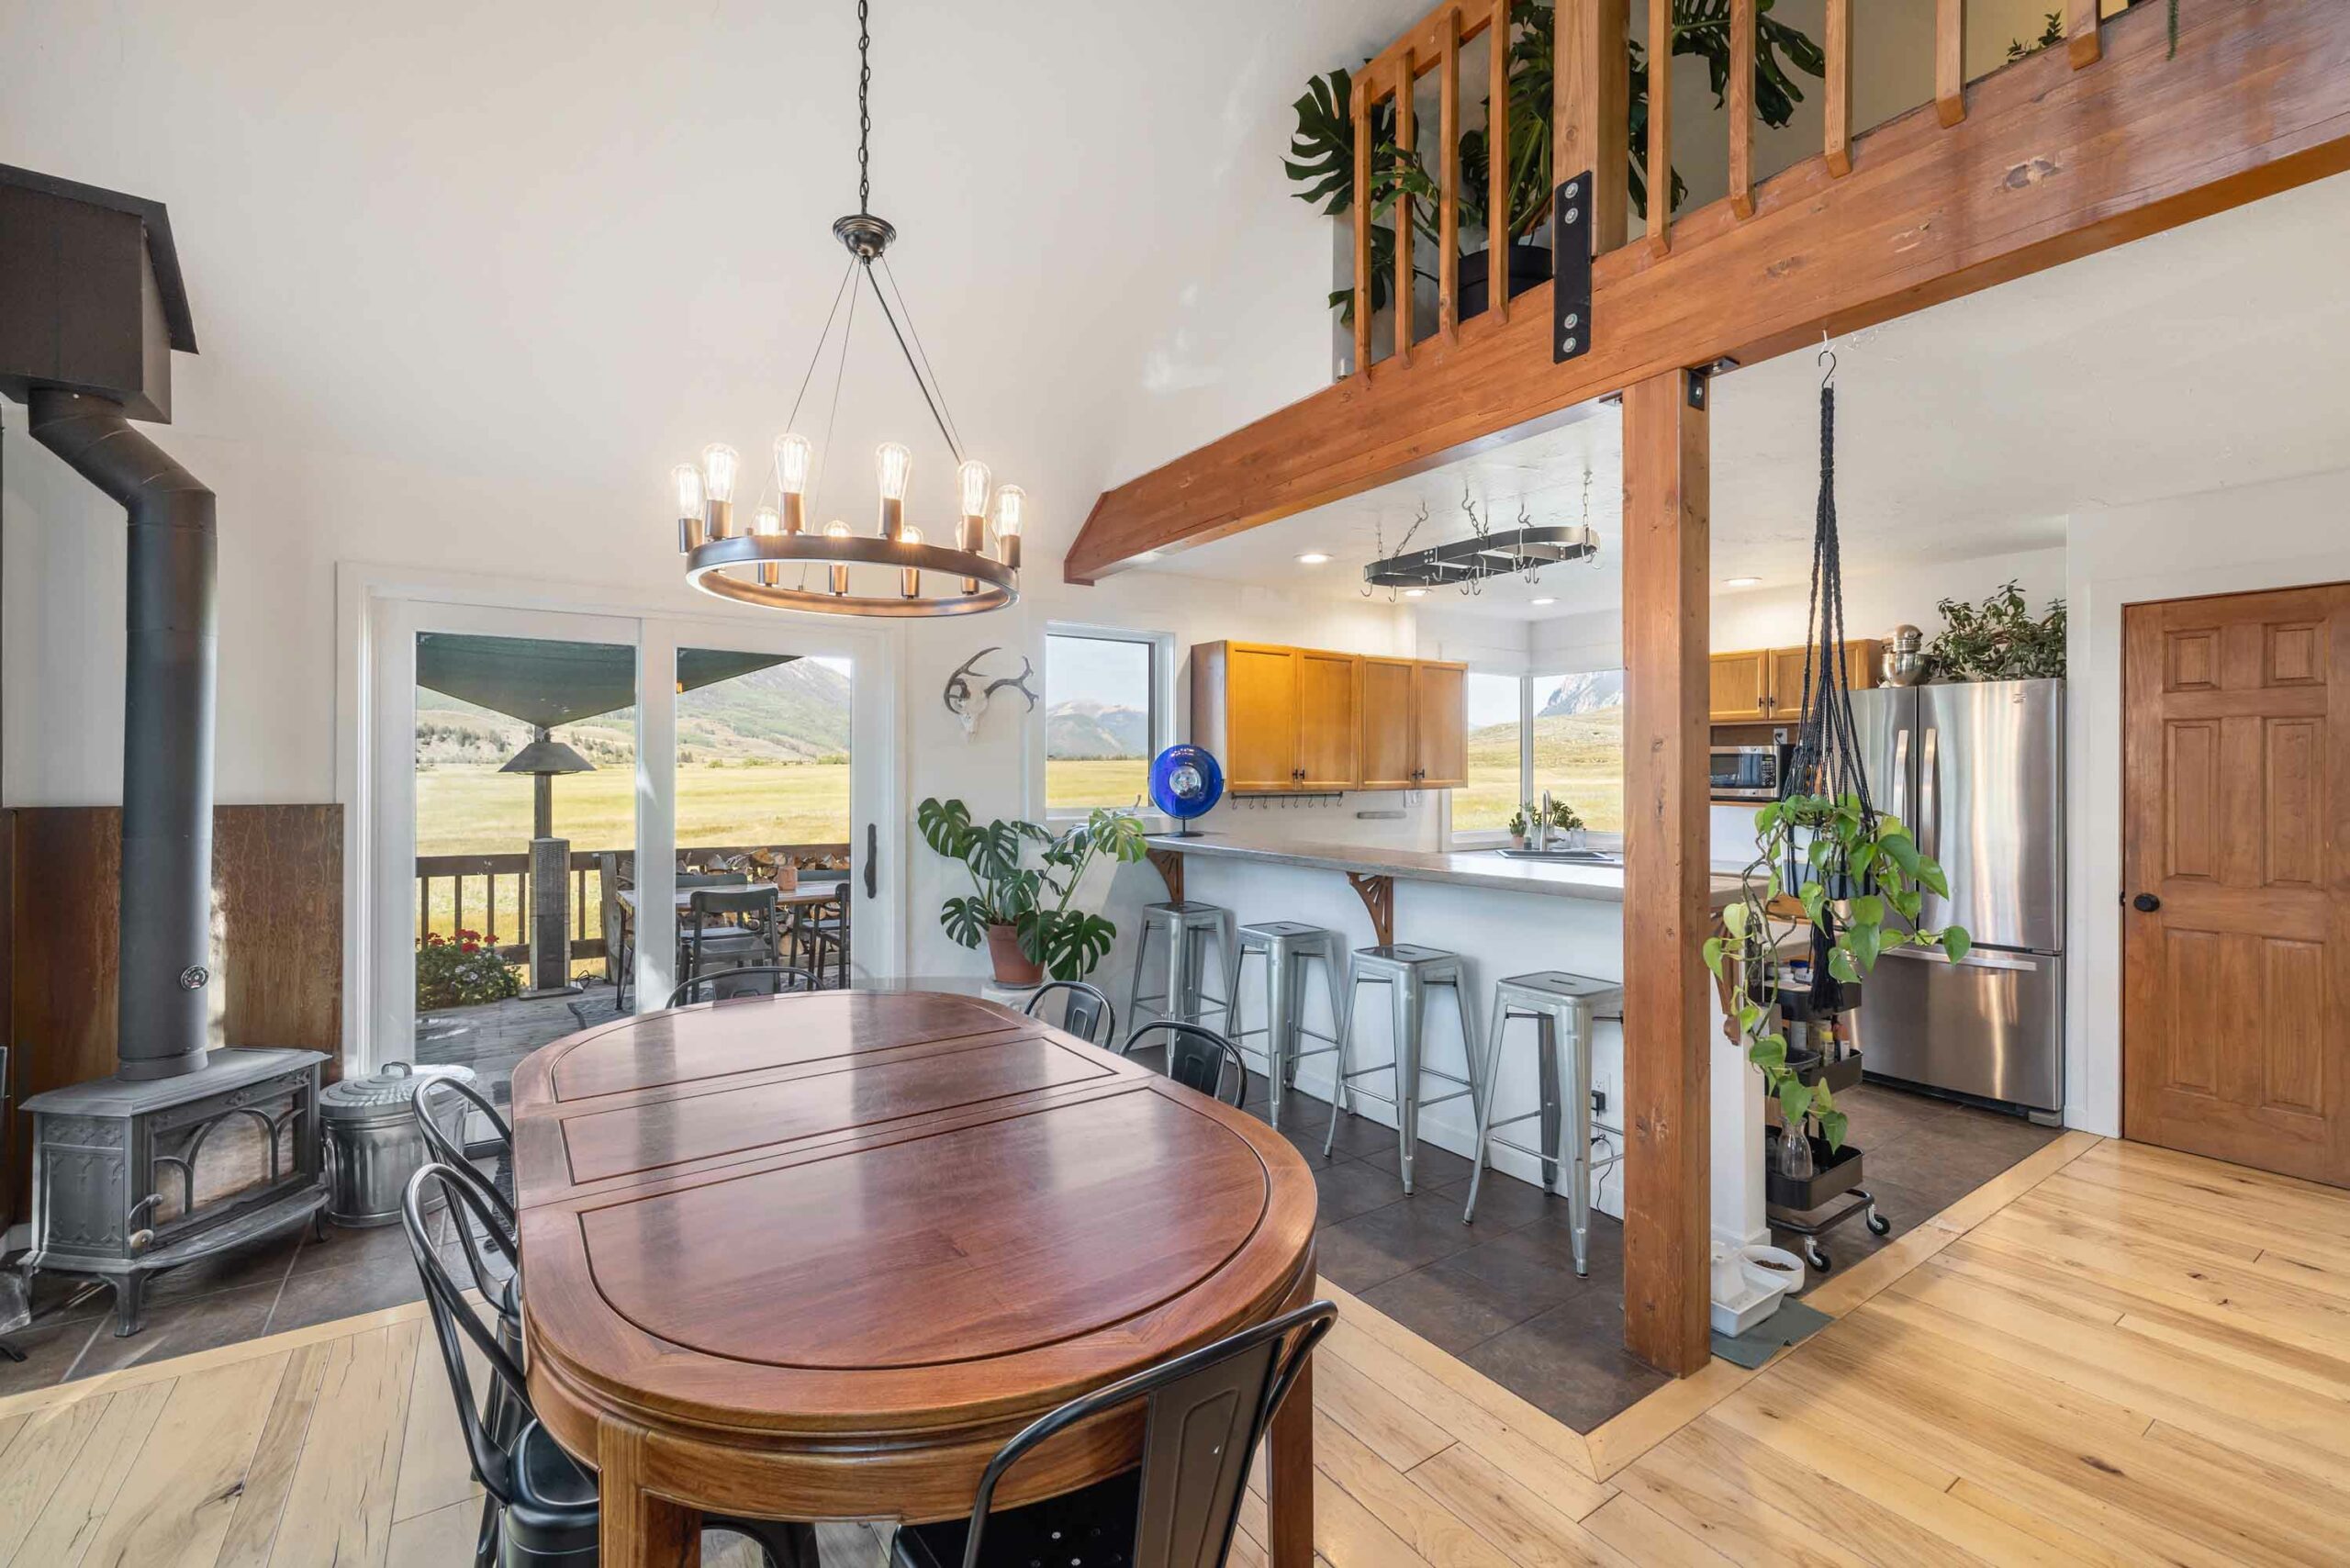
(1827, 756)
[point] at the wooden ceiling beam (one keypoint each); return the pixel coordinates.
(2050, 162)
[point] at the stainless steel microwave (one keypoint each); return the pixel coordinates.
(1747, 772)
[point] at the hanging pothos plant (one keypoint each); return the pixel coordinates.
(1831, 844)
(1322, 149)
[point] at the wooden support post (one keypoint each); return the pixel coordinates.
(1497, 213)
(1588, 110)
(1361, 105)
(1837, 110)
(1448, 178)
(1667, 1044)
(1660, 158)
(1950, 61)
(2080, 32)
(1742, 107)
(1405, 143)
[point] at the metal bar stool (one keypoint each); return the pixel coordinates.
(1285, 945)
(1186, 927)
(1559, 1003)
(1407, 972)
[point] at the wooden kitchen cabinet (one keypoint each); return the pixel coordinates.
(1756, 686)
(1308, 719)
(1440, 725)
(1740, 684)
(1388, 737)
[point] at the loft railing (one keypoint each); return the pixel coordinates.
(489, 893)
(1588, 131)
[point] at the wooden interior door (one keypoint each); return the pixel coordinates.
(2236, 916)
(1440, 725)
(1260, 717)
(1387, 727)
(1740, 685)
(1329, 720)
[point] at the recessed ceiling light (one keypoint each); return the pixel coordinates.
(1415, 593)
(1742, 582)
(1312, 558)
(1541, 602)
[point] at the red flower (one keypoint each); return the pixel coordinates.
(468, 946)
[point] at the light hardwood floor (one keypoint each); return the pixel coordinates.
(2110, 1355)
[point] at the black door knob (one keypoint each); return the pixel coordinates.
(2146, 903)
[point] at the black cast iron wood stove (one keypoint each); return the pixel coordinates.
(184, 1151)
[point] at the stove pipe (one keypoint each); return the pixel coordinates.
(168, 678)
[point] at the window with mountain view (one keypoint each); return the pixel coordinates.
(763, 750)
(1098, 721)
(1496, 738)
(1578, 745)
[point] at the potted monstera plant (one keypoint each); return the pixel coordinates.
(1024, 911)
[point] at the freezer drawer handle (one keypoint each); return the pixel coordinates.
(2146, 903)
(1973, 961)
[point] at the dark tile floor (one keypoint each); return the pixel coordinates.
(1501, 1295)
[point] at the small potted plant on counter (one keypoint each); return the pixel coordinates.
(1566, 822)
(1517, 827)
(1023, 913)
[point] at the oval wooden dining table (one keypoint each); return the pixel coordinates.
(816, 1257)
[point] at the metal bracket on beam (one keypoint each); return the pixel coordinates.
(1697, 380)
(1571, 249)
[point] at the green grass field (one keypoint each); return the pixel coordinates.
(1076, 783)
(1580, 759)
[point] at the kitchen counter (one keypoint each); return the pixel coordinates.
(1468, 869)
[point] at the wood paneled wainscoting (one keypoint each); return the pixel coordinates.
(2236, 913)
(276, 940)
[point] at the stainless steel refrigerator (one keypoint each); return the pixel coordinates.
(1977, 772)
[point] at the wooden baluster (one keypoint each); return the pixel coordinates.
(424, 907)
(2080, 32)
(1838, 108)
(1403, 149)
(1497, 213)
(1950, 61)
(1447, 179)
(1742, 107)
(457, 913)
(1660, 159)
(1589, 129)
(1362, 222)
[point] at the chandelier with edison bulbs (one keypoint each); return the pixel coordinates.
(779, 557)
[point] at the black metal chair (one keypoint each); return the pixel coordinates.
(751, 980)
(825, 936)
(686, 882)
(1208, 1410)
(502, 1415)
(732, 928)
(544, 1505)
(1085, 1010)
(1196, 1057)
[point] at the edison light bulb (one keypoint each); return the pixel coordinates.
(837, 529)
(895, 466)
(766, 521)
(719, 465)
(793, 457)
(973, 479)
(1010, 502)
(909, 577)
(688, 480)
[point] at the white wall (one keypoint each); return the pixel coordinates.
(2279, 535)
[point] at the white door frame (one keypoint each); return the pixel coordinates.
(379, 609)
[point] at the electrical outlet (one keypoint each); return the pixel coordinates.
(1599, 1101)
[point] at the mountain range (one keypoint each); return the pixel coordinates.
(1078, 728)
(1585, 694)
(795, 711)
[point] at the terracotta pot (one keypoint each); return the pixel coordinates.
(1011, 965)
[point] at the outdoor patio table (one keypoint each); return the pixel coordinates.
(816, 1255)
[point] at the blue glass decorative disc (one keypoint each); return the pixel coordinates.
(1185, 783)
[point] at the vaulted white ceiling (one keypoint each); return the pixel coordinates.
(559, 244)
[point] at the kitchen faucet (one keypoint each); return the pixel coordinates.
(1542, 826)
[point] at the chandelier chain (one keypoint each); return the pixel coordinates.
(864, 110)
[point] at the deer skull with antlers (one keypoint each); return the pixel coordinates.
(968, 698)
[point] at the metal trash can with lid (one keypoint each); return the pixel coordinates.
(372, 1142)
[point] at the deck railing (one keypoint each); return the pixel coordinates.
(489, 893)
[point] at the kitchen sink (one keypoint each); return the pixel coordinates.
(1567, 857)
